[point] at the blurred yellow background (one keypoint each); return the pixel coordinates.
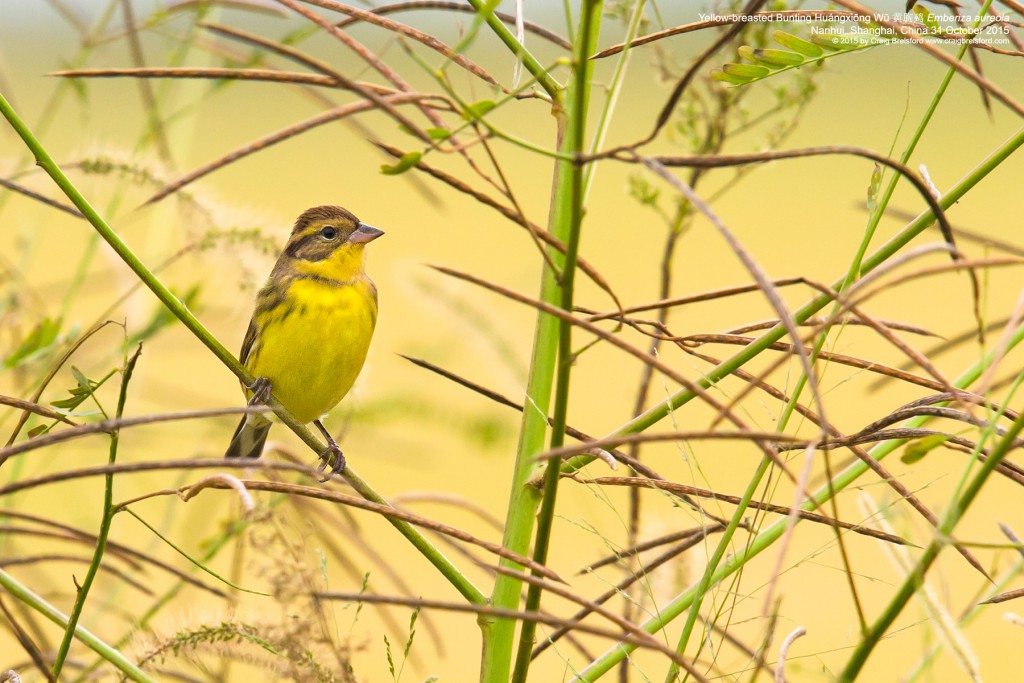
(406, 430)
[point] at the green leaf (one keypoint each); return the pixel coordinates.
(439, 134)
(412, 631)
(42, 336)
(829, 41)
(642, 191)
(80, 377)
(477, 110)
(37, 430)
(748, 71)
(391, 661)
(79, 393)
(916, 450)
(404, 164)
(873, 187)
(797, 44)
(927, 18)
(770, 57)
(719, 75)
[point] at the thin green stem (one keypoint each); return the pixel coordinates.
(105, 521)
(775, 531)
(614, 88)
(707, 579)
(536, 69)
(852, 273)
(181, 312)
(577, 101)
(883, 202)
(25, 595)
(658, 412)
(949, 521)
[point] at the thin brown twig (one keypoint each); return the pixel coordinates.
(286, 133)
(674, 487)
(286, 51)
(846, 320)
(48, 377)
(127, 554)
(383, 510)
(216, 73)
(916, 39)
(149, 102)
(31, 407)
(530, 26)
(723, 20)
(792, 442)
(368, 56)
(873, 464)
(410, 32)
(637, 548)
(688, 299)
(728, 160)
(595, 608)
(25, 640)
(32, 194)
(503, 613)
(29, 560)
(328, 534)
(760, 277)
(512, 215)
(618, 455)
(683, 83)
(107, 426)
(615, 341)
(621, 586)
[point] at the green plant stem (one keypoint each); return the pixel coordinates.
(852, 273)
(573, 142)
(658, 412)
(775, 531)
(707, 578)
(104, 530)
(181, 312)
(485, 9)
(916, 577)
(26, 596)
(883, 202)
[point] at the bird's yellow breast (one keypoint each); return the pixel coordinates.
(312, 345)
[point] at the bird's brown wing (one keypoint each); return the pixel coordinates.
(247, 343)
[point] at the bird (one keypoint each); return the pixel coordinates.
(311, 327)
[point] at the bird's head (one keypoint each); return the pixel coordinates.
(329, 241)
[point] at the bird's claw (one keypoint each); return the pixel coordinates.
(325, 458)
(260, 389)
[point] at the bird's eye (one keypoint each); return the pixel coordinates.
(329, 233)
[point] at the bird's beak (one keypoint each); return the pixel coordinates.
(364, 233)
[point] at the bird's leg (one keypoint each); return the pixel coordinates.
(332, 449)
(260, 389)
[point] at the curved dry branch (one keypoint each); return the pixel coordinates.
(643, 357)
(513, 215)
(30, 407)
(410, 32)
(383, 510)
(729, 160)
(529, 26)
(291, 131)
(32, 194)
(662, 485)
(538, 617)
(724, 20)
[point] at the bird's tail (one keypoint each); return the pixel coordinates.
(249, 437)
